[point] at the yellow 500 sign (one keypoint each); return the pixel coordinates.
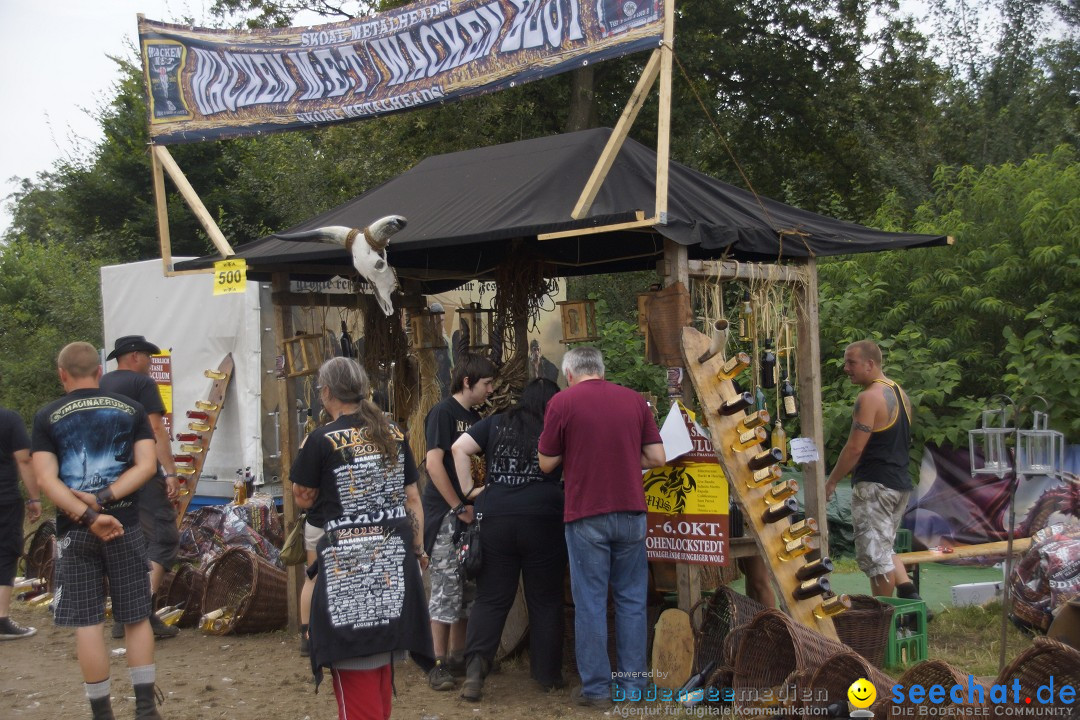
(230, 276)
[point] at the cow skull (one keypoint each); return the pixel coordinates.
(369, 258)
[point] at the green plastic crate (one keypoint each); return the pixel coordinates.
(902, 543)
(907, 632)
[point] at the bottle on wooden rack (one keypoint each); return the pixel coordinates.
(207, 406)
(832, 606)
(736, 404)
(794, 531)
(753, 420)
(768, 365)
(812, 588)
(781, 491)
(776, 513)
(764, 476)
(820, 567)
(798, 548)
(215, 374)
(749, 439)
(734, 365)
(764, 459)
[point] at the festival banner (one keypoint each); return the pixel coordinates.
(205, 84)
(687, 501)
(161, 374)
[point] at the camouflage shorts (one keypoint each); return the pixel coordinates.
(875, 516)
(451, 595)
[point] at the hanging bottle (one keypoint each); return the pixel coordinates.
(746, 319)
(760, 401)
(347, 348)
(779, 440)
(768, 365)
(787, 398)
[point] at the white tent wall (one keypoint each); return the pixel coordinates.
(182, 314)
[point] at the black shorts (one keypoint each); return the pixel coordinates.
(11, 540)
(157, 516)
(85, 562)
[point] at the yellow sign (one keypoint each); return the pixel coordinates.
(230, 276)
(687, 519)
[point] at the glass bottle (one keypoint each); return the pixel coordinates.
(191, 449)
(749, 439)
(734, 365)
(764, 476)
(798, 548)
(207, 405)
(741, 402)
(781, 492)
(215, 374)
(753, 420)
(779, 440)
(820, 567)
(746, 319)
(768, 365)
(832, 606)
(198, 427)
(787, 398)
(188, 437)
(764, 459)
(198, 416)
(812, 588)
(760, 402)
(309, 426)
(808, 526)
(776, 513)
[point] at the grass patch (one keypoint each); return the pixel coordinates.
(969, 639)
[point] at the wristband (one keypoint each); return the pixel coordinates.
(459, 509)
(88, 517)
(104, 496)
(172, 475)
(31, 501)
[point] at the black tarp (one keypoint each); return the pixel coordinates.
(462, 208)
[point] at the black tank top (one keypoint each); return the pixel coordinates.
(885, 458)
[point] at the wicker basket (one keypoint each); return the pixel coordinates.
(252, 588)
(713, 619)
(830, 682)
(927, 673)
(865, 627)
(41, 554)
(1033, 667)
(777, 653)
(186, 585)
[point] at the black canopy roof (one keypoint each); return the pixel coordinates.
(464, 207)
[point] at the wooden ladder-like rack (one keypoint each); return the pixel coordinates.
(212, 406)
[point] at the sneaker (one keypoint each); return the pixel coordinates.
(11, 630)
(161, 630)
(602, 703)
(440, 678)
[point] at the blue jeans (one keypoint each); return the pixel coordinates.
(607, 549)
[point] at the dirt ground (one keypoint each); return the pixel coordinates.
(246, 677)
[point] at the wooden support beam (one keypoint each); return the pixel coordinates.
(641, 222)
(161, 209)
(663, 122)
(618, 135)
(1020, 545)
(732, 270)
(345, 300)
(808, 371)
(283, 328)
(165, 158)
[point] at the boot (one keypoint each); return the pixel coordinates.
(147, 698)
(475, 671)
(102, 708)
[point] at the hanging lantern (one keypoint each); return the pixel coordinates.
(1040, 451)
(303, 355)
(578, 321)
(426, 328)
(989, 442)
(475, 325)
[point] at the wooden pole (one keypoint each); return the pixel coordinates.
(663, 123)
(162, 211)
(618, 135)
(283, 328)
(165, 158)
(808, 368)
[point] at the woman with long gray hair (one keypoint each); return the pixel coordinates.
(358, 476)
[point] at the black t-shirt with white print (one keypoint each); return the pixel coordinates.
(353, 478)
(515, 484)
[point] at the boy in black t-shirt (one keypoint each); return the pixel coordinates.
(92, 450)
(444, 507)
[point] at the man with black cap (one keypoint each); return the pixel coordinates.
(156, 512)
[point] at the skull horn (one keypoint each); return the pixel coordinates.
(378, 233)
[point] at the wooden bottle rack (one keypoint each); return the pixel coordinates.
(216, 397)
(712, 393)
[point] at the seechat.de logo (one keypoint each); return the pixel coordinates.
(999, 700)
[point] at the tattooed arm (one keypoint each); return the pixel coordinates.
(862, 424)
(414, 511)
(304, 496)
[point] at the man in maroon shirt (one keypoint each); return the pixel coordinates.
(603, 435)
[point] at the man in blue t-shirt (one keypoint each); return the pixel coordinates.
(92, 451)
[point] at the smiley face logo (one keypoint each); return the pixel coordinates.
(862, 693)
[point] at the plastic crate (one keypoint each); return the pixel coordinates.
(903, 544)
(907, 632)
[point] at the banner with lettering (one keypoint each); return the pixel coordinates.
(687, 499)
(204, 84)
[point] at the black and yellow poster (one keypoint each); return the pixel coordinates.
(204, 84)
(687, 501)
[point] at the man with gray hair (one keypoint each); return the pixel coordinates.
(603, 434)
